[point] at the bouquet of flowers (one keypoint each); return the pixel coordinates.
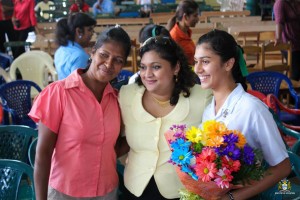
(213, 157)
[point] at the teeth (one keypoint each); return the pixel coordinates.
(203, 77)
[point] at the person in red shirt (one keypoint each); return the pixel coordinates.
(6, 26)
(179, 26)
(24, 21)
(79, 6)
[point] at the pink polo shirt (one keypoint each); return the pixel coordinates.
(84, 159)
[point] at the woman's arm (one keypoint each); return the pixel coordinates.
(121, 146)
(44, 150)
(278, 33)
(273, 176)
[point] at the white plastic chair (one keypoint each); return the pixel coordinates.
(34, 66)
(5, 75)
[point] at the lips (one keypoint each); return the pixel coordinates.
(105, 70)
(203, 78)
(150, 82)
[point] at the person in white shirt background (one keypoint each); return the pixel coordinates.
(42, 6)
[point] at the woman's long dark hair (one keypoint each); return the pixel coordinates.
(168, 50)
(224, 45)
(187, 7)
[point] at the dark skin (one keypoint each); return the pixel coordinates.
(107, 61)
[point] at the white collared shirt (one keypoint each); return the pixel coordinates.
(246, 113)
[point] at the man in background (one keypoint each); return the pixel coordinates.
(103, 7)
(6, 26)
(42, 6)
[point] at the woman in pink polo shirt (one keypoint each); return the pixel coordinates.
(79, 123)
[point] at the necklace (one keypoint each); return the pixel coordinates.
(161, 103)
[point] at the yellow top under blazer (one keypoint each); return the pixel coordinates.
(149, 152)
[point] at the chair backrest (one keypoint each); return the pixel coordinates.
(11, 172)
(258, 94)
(15, 141)
(121, 79)
(266, 36)
(16, 99)
(285, 131)
(252, 55)
(295, 161)
(268, 82)
(31, 152)
(4, 75)
(34, 66)
(272, 51)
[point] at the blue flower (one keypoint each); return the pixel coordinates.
(180, 143)
(181, 156)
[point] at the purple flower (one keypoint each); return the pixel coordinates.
(231, 138)
(232, 151)
(248, 155)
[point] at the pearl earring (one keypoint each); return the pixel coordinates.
(80, 36)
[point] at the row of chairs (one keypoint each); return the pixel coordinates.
(17, 152)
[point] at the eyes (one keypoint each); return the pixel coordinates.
(201, 61)
(116, 60)
(154, 67)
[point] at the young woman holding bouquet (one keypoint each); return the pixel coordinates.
(164, 93)
(79, 123)
(220, 66)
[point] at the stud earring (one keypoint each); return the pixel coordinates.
(80, 36)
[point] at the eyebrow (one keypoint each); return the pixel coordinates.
(202, 57)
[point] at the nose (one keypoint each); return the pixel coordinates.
(109, 62)
(198, 68)
(148, 72)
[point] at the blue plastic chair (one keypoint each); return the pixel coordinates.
(268, 82)
(15, 141)
(121, 79)
(32, 151)
(11, 182)
(16, 100)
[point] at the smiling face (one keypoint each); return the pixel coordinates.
(107, 61)
(213, 73)
(157, 74)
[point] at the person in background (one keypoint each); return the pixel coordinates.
(79, 6)
(179, 26)
(79, 123)
(73, 34)
(163, 95)
(146, 7)
(220, 66)
(150, 30)
(287, 19)
(24, 21)
(6, 25)
(41, 6)
(103, 7)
